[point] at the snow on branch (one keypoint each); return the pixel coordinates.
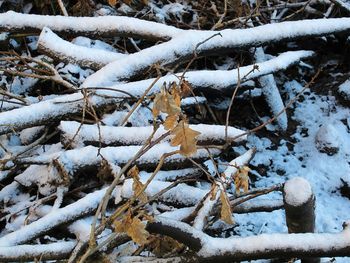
(55, 109)
(271, 92)
(40, 113)
(69, 213)
(53, 251)
(115, 136)
(74, 160)
(181, 194)
(53, 46)
(241, 160)
(214, 79)
(107, 26)
(210, 249)
(186, 44)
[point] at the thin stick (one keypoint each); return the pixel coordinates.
(139, 101)
(62, 7)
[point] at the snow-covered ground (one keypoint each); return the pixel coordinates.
(302, 158)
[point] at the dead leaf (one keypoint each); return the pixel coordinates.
(134, 171)
(137, 186)
(226, 213)
(162, 245)
(137, 231)
(133, 227)
(175, 92)
(170, 122)
(185, 88)
(213, 192)
(241, 179)
(165, 102)
(112, 2)
(185, 137)
(105, 173)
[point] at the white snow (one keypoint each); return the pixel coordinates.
(72, 160)
(182, 194)
(328, 139)
(271, 92)
(88, 57)
(344, 89)
(94, 25)
(68, 104)
(262, 243)
(82, 206)
(31, 251)
(297, 191)
(138, 135)
(233, 166)
(185, 44)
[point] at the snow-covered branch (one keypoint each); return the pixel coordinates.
(89, 156)
(271, 92)
(210, 249)
(53, 251)
(69, 213)
(186, 44)
(57, 108)
(52, 45)
(115, 136)
(89, 26)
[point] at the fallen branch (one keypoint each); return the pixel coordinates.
(271, 92)
(80, 208)
(61, 50)
(186, 44)
(89, 157)
(107, 26)
(210, 249)
(57, 108)
(53, 251)
(116, 136)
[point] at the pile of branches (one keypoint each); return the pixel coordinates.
(103, 141)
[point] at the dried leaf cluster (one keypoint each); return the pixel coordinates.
(133, 227)
(169, 102)
(241, 179)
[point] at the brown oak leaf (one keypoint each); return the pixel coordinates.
(185, 137)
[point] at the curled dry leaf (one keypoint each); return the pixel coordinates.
(213, 191)
(185, 88)
(165, 102)
(175, 93)
(112, 2)
(137, 186)
(185, 137)
(170, 122)
(162, 245)
(105, 173)
(226, 213)
(133, 227)
(241, 179)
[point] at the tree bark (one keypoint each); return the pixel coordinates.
(300, 214)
